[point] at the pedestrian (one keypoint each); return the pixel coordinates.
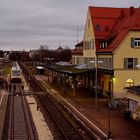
(22, 87)
(37, 107)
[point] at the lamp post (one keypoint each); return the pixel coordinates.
(110, 94)
(45, 61)
(96, 62)
(109, 135)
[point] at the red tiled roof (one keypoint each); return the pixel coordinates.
(77, 52)
(113, 23)
(79, 44)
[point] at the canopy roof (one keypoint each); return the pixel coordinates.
(77, 70)
(134, 89)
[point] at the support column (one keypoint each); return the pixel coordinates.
(74, 86)
(52, 76)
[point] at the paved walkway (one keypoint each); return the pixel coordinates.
(41, 126)
(121, 129)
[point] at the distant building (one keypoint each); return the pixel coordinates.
(77, 54)
(59, 49)
(32, 52)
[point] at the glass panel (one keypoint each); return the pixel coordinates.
(125, 63)
(130, 63)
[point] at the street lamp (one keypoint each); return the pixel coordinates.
(96, 62)
(45, 61)
(109, 135)
(110, 94)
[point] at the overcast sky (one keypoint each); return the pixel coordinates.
(27, 24)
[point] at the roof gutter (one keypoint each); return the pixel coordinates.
(104, 53)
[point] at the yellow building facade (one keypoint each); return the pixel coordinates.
(121, 74)
(89, 42)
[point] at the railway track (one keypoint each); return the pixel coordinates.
(68, 128)
(20, 125)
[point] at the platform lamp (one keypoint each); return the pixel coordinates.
(96, 62)
(110, 94)
(109, 134)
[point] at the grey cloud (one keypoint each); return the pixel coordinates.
(30, 23)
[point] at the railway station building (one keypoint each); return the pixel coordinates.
(112, 36)
(110, 48)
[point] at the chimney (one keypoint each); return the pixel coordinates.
(122, 14)
(131, 11)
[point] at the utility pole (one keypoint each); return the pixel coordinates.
(77, 34)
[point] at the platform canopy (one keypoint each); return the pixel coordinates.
(81, 66)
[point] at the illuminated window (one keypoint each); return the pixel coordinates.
(130, 82)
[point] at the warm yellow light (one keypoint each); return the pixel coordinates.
(130, 81)
(113, 79)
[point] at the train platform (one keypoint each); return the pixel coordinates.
(84, 102)
(42, 129)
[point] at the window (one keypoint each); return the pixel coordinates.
(135, 42)
(130, 63)
(85, 45)
(107, 63)
(98, 28)
(77, 60)
(88, 45)
(88, 23)
(103, 44)
(92, 44)
(87, 60)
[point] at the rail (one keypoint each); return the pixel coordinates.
(38, 87)
(20, 124)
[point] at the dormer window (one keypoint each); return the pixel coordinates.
(98, 28)
(103, 44)
(135, 42)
